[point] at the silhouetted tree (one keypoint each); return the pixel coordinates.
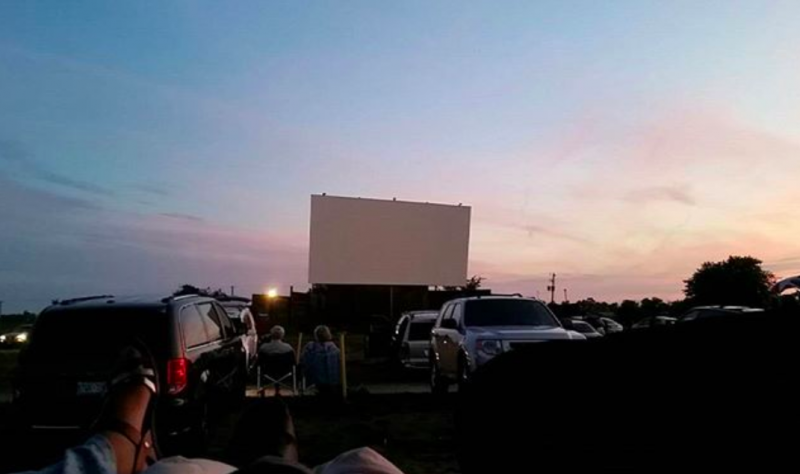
(653, 307)
(187, 289)
(628, 312)
(735, 281)
(473, 283)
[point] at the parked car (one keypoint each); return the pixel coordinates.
(412, 338)
(707, 312)
(18, 337)
(581, 327)
(238, 310)
(64, 371)
(611, 326)
(654, 321)
(471, 331)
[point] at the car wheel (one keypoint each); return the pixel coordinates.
(439, 385)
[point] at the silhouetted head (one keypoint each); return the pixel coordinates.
(323, 334)
(277, 333)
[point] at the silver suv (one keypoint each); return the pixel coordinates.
(471, 331)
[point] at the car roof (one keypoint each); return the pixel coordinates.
(726, 308)
(111, 301)
(492, 297)
(423, 316)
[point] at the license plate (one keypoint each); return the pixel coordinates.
(91, 388)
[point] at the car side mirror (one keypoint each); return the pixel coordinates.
(449, 324)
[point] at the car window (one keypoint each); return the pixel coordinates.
(508, 312)
(192, 327)
(401, 330)
(691, 316)
(581, 327)
(210, 321)
(458, 313)
(226, 322)
(420, 331)
(448, 313)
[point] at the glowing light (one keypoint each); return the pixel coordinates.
(272, 293)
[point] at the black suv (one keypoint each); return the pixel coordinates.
(63, 373)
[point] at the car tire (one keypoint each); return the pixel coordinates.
(439, 385)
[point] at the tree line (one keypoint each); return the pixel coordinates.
(735, 281)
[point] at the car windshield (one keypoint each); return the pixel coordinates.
(420, 331)
(510, 312)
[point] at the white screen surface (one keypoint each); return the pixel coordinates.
(376, 242)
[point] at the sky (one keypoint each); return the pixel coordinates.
(618, 144)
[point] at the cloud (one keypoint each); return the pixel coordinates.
(678, 194)
(56, 247)
(153, 189)
(186, 217)
(13, 152)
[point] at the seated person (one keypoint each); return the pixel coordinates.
(320, 360)
(275, 345)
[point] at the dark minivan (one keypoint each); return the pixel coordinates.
(63, 373)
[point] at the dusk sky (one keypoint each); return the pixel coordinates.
(619, 144)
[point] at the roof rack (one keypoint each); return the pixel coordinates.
(179, 297)
(81, 299)
(517, 295)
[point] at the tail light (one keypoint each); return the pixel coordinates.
(177, 375)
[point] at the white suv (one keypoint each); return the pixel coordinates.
(471, 331)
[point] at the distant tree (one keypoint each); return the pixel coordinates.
(628, 312)
(187, 289)
(653, 307)
(735, 281)
(474, 283)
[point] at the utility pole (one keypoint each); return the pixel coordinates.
(566, 297)
(232, 288)
(552, 288)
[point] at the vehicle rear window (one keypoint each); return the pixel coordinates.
(420, 331)
(510, 312)
(194, 331)
(73, 332)
(210, 320)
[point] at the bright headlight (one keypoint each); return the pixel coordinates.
(22, 337)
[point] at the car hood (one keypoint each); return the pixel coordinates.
(519, 332)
